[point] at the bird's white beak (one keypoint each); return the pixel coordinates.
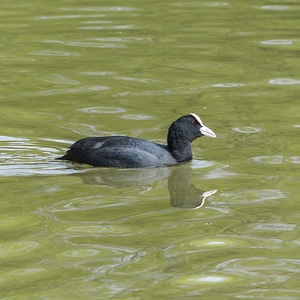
(207, 132)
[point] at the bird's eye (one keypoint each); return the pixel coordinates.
(193, 122)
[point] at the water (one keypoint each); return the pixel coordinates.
(224, 225)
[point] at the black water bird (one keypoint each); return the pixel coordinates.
(130, 152)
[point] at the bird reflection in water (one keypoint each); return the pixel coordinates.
(183, 194)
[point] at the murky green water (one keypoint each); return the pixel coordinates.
(72, 69)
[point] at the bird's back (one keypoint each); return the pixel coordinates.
(119, 151)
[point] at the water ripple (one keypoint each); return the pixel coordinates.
(293, 159)
(102, 73)
(275, 7)
(214, 243)
(277, 42)
(227, 85)
(59, 79)
(247, 129)
(284, 81)
(90, 44)
(251, 196)
(260, 267)
(275, 159)
(271, 160)
(79, 253)
(137, 117)
(59, 17)
(113, 27)
(100, 8)
(103, 110)
(17, 248)
(81, 89)
(205, 279)
(273, 226)
(53, 53)
(23, 157)
(103, 229)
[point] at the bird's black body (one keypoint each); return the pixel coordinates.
(120, 152)
(129, 152)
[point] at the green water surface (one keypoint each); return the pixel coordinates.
(224, 226)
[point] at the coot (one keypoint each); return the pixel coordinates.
(129, 152)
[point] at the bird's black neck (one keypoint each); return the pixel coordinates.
(179, 146)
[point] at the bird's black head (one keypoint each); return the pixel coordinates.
(190, 127)
(182, 132)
